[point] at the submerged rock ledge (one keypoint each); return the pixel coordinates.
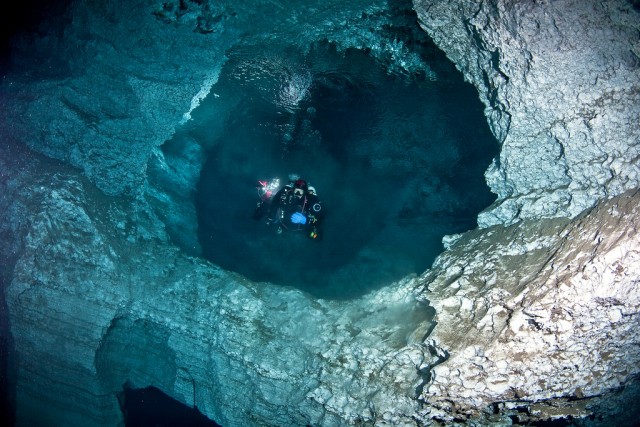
(97, 300)
(536, 312)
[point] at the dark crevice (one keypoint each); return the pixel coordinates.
(150, 407)
(7, 394)
(27, 18)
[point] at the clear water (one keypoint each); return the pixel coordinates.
(398, 161)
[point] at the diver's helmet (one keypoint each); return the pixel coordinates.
(299, 187)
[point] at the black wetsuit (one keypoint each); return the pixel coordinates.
(286, 203)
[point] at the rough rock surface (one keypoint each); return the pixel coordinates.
(101, 97)
(97, 300)
(529, 315)
(561, 84)
(537, 310)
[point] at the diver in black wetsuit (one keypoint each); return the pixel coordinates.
(296, 207)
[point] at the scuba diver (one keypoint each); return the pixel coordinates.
(294, 207)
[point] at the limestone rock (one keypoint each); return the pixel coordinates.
(109, 89)
(97, 300)
(538, 310)
(561, 85)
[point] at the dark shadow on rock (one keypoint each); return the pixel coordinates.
(7, 410)
(150, 407)
(25, 16)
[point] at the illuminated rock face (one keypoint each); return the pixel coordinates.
(549, 306)
(532, 312)
(539, 309)
(560, 82)
(97, 301)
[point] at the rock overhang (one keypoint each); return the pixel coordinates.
(551, 82)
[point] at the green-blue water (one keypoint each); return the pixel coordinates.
(397, 159)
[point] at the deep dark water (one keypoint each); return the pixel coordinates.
(26, 16)
(150, 407)
(398, 161)
(7, 368)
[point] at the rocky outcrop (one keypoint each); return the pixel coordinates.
(547, 308)
(560, 84)
(109, 89)
(99, 297)
(539, 310)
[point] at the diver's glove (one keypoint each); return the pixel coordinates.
(298, 218)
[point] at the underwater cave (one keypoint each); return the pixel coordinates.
(397, 159)
(136, 283)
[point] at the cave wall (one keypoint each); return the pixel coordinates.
(549, 306)
(546, 309)
(560, 83)
(97, 301)
(109, 89)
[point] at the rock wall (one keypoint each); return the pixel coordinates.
(538, 310)
(99, 297)
(546, 308)
(560, 83)
(109, 89)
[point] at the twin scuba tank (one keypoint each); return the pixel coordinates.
(268, 189)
